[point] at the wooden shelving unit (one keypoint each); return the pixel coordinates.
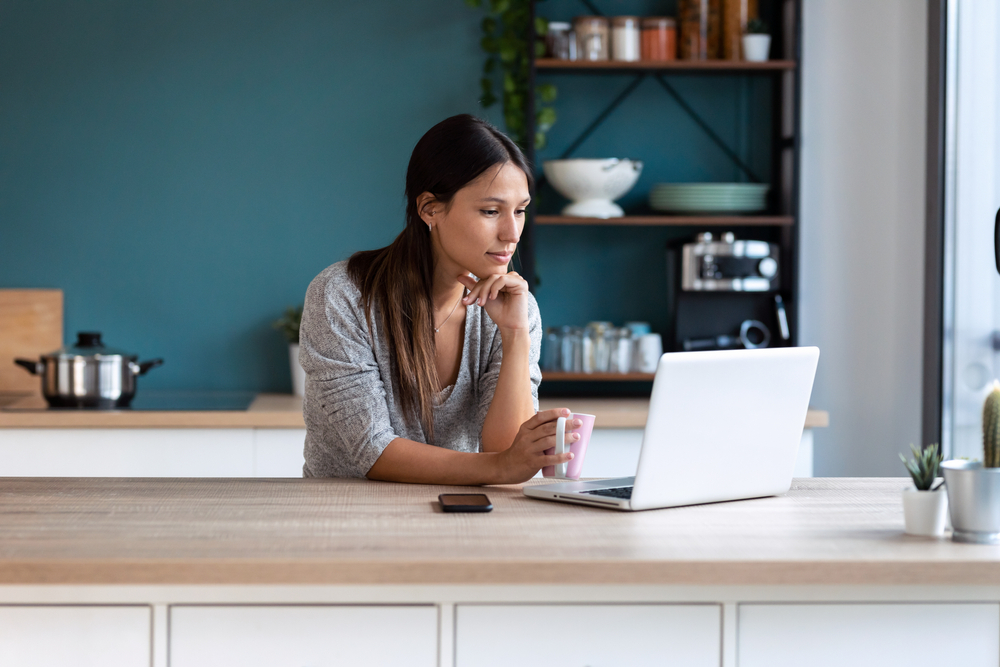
(671, 65)
(672, 220)
(779, 223)
(555, 376)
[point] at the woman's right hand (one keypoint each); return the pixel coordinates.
(526, 456)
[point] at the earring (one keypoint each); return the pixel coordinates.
(428, 226)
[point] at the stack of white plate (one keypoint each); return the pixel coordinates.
(709, 197)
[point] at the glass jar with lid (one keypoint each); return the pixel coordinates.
(625, 38)
(700, 29)
(592, 37)
(659, 38)
(557, 40)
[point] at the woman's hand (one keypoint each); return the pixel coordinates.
(504, 296)
(526, 456)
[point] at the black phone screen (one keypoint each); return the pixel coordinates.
(465, 502)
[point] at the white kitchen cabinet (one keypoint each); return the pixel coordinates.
(869, 635)
(317, 636)
(82, 636)
(127, 452)
(576, 635)
(278, 452)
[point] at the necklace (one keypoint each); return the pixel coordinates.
(437, 329)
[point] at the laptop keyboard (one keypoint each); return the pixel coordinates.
(623, 492)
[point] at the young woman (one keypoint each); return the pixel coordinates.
(421, 358)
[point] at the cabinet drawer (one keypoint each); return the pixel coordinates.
(576, 635)
(44, 636)
(886, 635)
(318, 636)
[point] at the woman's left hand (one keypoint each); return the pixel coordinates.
(504, 296)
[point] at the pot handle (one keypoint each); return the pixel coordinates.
(33, 367)
(146, 365)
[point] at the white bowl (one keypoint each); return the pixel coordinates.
(593, 185)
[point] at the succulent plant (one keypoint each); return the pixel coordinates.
(924, 466)
(289, 323)
(991, 428)
(756, 26)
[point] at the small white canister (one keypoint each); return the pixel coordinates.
(648, 350)
(625, 38)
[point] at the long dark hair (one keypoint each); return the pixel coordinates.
(399, 277)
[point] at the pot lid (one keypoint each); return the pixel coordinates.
(88, 344)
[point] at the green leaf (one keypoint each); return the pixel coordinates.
(539, 49)
(487, 86)
(489, 44)
(489, 65)
(509, 86)
(541, 25)
(487, 101)
(475, 4)
(546, 93)
(489, 25)
(499, 6)
(540, 141)
(545, 118)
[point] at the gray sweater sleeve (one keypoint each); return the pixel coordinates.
(345, 402)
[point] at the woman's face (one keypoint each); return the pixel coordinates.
(478, 230)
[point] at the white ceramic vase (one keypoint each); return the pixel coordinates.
(756, 47)
(298, 374)
(925, 512)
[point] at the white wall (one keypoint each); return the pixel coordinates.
(862, 205)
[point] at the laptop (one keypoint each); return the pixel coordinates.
(722, 425)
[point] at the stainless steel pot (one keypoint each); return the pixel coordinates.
(88, 374)
(974, 501)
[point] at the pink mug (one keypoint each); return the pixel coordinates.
(572, 469)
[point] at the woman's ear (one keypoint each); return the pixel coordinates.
(429, 208)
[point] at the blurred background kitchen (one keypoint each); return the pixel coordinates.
(182, 170)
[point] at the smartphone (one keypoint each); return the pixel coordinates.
(465, 502)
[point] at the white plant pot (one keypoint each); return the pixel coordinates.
(298, 374)
(925, 512)
(756, 48)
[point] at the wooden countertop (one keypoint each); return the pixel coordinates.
(285, 411)
(309, 531)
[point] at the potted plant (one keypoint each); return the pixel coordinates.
(289, 326)
(974, 486)
(925, 506)
(756, 41)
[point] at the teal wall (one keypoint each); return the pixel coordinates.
(183, 169)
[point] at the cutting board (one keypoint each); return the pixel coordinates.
(31, 324)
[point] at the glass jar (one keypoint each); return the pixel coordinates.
(659, 38)
(551, 350)
(571, 352)
(557, 40)
(625, 38)
(735, 15)
(621, 351)
(592, 34)
(700, 25)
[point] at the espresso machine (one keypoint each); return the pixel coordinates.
(725, 293)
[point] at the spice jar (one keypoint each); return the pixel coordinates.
(557, 40)
(592, 34)
(735, 15)
(625, 38)
(700, 26)
(659, 38)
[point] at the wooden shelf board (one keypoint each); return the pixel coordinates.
(672, 220)
(676, 65)
(554, 376)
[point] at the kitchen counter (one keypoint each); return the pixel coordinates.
(307, 531)
(284, 411)
(258, 572)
